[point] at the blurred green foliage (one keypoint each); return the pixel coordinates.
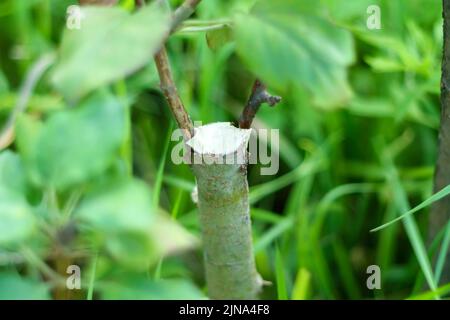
(88, 179)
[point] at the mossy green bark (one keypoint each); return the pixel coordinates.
(226, 228)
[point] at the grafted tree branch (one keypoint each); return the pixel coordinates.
(258, 96)
(222, 189)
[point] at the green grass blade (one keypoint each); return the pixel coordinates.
(265, 216)
(308, 167)
(280, 276)
(412, 231)
(273, 234)
(179, 183)
(301, 285)
(157, 273)
(176, 205)
(442, 291)
(159, 176)
(442, 254)
(90, 292)
(345, 269)
(437, 196)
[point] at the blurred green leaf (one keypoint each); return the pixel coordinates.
(120, 211)
(286, 48)
(118, 206)
(4, 86)
(16, 217)
(301, 285)
(12, 175)
(40, 103)
(73, 145)
(14, 287)
(142, 288)
(416, 53)
(110, 45)
(170, 237)
(134, 250)
(28, 130)
(216, 39)
(280, 275)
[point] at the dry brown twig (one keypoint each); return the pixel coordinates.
(167, 83)
(258, 96)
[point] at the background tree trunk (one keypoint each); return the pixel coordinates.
(440, 211)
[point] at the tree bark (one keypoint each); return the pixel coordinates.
(224, 211)
(440, 210)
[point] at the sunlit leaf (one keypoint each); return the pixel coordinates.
(110, 44)
(73, 145)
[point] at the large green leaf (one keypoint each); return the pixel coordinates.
(110, 44)
(14, 287)
(119, 212)
(117, 206)
(16, 217)
(73, 145)
(289, 45)
(133, 249)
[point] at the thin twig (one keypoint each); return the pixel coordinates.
(26, 91)
(258, 96)
(183, 12)
(170, 92)
(167, 84)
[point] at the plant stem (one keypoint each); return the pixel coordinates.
(225, 222)
(258, 96)
(36, 72)
(440, 211)
(170, 92)
(183, 12)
